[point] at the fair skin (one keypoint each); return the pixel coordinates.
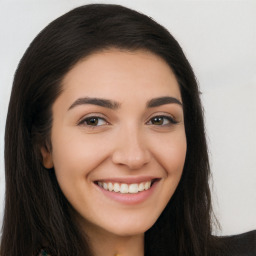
(118, 146)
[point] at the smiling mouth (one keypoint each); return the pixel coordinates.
(124, 188)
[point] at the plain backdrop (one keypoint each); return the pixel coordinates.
(219, 39)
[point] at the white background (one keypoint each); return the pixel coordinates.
(219, 39)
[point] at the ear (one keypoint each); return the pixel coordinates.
(47, 157)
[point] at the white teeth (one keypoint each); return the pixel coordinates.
(147, 185)
(133, 188)
(125, 188)
(110, 186)
(105, 185)
(141, 187)
(116, 187)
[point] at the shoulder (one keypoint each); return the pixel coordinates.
(236, 245)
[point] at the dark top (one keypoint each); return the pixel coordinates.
(237, 245)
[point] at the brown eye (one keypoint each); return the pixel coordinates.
(158, 120)
(161, 120)
(93, 121)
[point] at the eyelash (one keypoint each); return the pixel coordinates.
(87, 119)
(162, 118)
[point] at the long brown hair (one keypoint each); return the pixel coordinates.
(36, 212)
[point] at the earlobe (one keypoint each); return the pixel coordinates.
(47, 158)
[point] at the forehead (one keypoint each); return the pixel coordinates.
(121, 73)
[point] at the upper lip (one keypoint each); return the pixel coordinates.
(128, 180)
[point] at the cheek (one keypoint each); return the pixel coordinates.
(75, 157)
(75, 154)
(170, 152)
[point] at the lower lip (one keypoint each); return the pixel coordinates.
(128, 198)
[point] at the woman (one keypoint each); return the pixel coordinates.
(110, 155)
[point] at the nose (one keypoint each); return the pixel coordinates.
(131, 150)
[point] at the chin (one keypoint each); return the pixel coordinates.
(130, 228)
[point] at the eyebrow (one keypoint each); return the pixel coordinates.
(115, 105)
(156, 102)
(96, 101)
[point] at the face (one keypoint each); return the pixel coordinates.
(118, 140)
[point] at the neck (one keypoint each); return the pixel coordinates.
(107, 244)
